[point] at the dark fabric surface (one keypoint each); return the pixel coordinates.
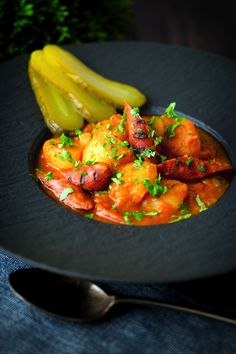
(24, 329)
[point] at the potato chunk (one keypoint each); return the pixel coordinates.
(107, 148)
(61, 158)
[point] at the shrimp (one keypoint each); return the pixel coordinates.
(179, 137)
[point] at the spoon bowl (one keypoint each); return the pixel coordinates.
(70, 298)
(80, 300)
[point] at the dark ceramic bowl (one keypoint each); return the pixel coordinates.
(35, 228)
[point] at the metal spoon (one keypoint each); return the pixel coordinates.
(79, 300)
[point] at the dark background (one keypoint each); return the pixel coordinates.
(206, 25)
(26, 25)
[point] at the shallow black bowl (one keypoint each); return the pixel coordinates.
(37, 229)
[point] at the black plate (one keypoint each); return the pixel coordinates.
(37, 229)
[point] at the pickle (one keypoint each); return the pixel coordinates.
(57, 112)
(84, 102)
(111, 91)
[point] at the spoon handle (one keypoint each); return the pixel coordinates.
(176, 307)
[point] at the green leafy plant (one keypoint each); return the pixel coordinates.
(26, 25)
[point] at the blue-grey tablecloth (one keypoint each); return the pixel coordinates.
(144, 330)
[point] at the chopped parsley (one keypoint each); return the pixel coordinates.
(138, 162)
(52, 142)
(200, 203)
(78, 132)
(121, 126)
(170, 112)
(124, 143)
(89, 216)
(135, 112)
(152, 121)
(188, 160)
(116, 179)
(138, 215)
(84, 173)
(114, 151)
(48, 176)
(65, 193)
(113, 207)
(64, 141)
(156, 189)
(66, 156)
(170, 130)
(119, 156)
(201, 168)
(152, 133)
(148, 152)
(158, 140)
(102, 192)
(162, 158)
(180, 217)
(184, 209)
(92, 162)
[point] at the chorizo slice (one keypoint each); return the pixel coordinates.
(91, 177)
(189, 169)
(139, 132)
(74, 197)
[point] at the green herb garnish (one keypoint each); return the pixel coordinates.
(170, 112)
(84, 173)
(152, 121)
(64, 141)
(65, 193)
(121, 126)
(139, 215)
(92, 162)
(103, 192)
(189, 160)
(200, 203)
(138, 162)
(170, 130)
(124, 143)
(135, 112)
(201, 168)
(148, 152)
(48, 176)
(158, 140)
(184, 209)
(66, 156)
(162, 158)
(78, 132)
(180, 217)
(156, 189)
(89, 216)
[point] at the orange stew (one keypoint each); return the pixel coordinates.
(136, 170)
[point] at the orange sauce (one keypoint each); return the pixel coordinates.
(201, 194)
